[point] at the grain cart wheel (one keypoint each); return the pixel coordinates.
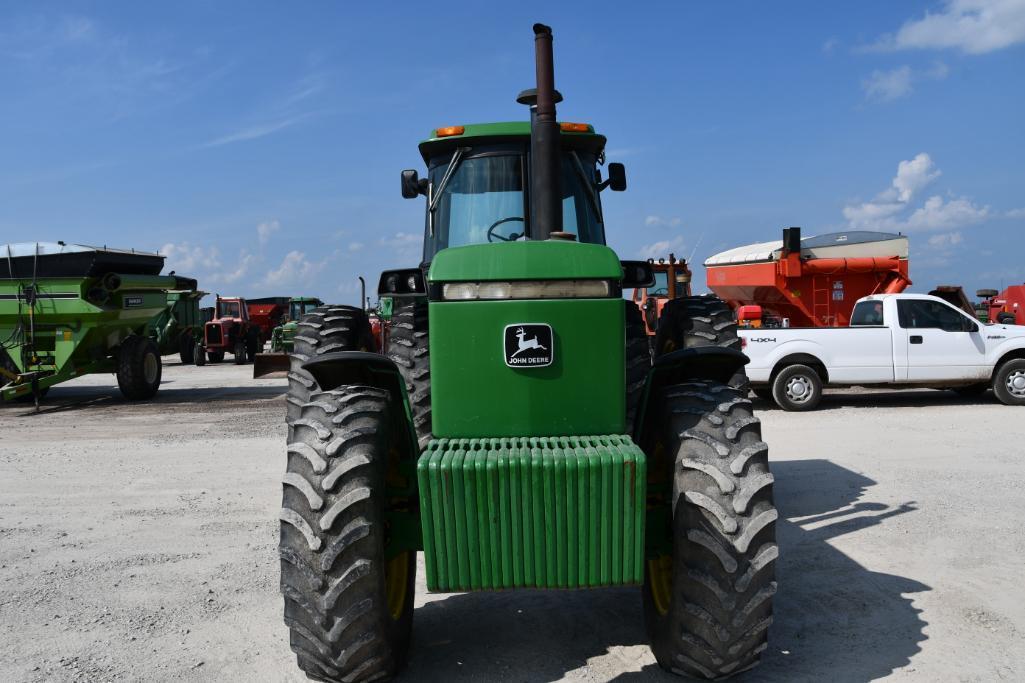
(638, 361)
(693, 321)
(797, 387)
(186, 348)
(348, 607)
(138, 368)
(407, 346)
(215, 356)
(708, 602)
(325, 329)
(240, 351)
(253, 343)
(1009, 382)
(200, 354)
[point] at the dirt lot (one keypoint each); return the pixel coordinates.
(138, 542)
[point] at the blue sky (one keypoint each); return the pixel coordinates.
(259, 144)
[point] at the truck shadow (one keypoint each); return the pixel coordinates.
(834, 618)
(887, 398)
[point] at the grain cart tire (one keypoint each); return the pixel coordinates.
(215, 356)
(200, 354)
(349, 610)
(254, 343)
(708, 602)
(407, 346)
(693, 321)
(186, 348)
(138, 368)
(325, 329)
(240, 352)
(638, 362)
(1009, 382)
(797, 388)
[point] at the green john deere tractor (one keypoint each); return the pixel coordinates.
(282, 336)
(514, 426)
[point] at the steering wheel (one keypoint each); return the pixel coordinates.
(512, 236)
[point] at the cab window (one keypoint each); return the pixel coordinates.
(867, 313)
(919, 314)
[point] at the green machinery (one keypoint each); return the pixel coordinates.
(515, 427)
(70, 310)
(282, 335)
(176, 328)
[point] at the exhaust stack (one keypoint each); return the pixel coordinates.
(546, 171)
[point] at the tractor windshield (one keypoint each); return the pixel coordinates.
(228, 309)
(661, 287)
(484, 199)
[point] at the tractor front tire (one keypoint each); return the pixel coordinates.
(325, 329)
(708, 602)
(638, 362)
(408, 347)
(348, 607)
(138, 368)
(694, 321)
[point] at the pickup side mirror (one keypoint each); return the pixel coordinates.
(411, 185)
(971, 326)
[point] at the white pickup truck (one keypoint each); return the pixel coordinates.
(906, 340)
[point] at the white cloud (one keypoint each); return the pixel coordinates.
(888, 85)
(660, 222)
(1016, 213)
(356, 246)
(266, 229)
(405, 246)
(945, 239)
(972, 26)
(661, 248)
(936, 214)
(295, 269)
(830, 45)
(241, 269)
(188, 259)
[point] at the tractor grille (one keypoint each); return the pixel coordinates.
(559, 512)
(213, 334)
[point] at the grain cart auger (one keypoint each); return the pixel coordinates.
(513, 427)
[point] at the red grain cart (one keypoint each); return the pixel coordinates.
(1006, 307)
(810, 282)
(267, 313)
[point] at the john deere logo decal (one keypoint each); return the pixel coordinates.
(528, 345)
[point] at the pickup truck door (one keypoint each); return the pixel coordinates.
(942, 343)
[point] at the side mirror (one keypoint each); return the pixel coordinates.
(971, 327)
(637, 274)
(410, 184)
(617, 177)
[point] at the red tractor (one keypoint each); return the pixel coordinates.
(230, 331)
(672, 281)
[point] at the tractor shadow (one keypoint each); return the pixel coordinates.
(834, 619)
(62, 399)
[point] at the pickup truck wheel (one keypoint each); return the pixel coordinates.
(348, 605)
(1009, 382)
(708, 596)
(797, 387)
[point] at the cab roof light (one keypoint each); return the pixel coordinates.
(449, 131)
(576, 127)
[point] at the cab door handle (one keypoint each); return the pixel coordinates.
(915, 339)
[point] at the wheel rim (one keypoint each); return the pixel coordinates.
(660, 579)
(1016, 383)
(799, 389)
(396, 582)
(149, 368)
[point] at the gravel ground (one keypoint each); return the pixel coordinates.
(138, 542)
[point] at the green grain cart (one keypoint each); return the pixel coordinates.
(516, 429)
(179, 325)
(67, 310)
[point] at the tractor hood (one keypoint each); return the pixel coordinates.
(527, 260)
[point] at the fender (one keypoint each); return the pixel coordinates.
(699, 363)
(365, 368)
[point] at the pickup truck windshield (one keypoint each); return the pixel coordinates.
(484, 199)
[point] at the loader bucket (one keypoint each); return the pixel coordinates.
(270, 365)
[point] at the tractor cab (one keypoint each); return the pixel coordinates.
(672, 281)
(300, 306)
(478, 191)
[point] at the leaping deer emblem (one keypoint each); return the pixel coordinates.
(526, 344)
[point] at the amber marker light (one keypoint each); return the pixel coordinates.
(449, 131)
(575, 127)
